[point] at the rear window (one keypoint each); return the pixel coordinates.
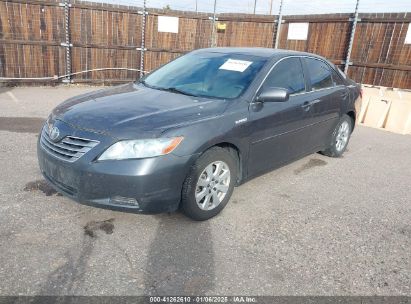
(320, 74)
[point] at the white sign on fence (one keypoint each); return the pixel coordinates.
(168, 24)
(408, 36)
(297, 31)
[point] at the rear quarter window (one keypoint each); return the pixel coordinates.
(337, 78)
(320, 74)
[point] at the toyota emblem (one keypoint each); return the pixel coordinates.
(54, 133)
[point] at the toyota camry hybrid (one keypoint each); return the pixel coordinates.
(184, 135)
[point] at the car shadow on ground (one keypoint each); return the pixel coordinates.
(180, 258)
(4, 89)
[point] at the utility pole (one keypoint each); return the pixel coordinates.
(352, 35)
(271, 7)
(196, 6)
(255, 4)
(279, 21)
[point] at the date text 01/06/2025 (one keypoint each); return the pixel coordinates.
(203, 299)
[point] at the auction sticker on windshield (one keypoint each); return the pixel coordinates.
(235, 65)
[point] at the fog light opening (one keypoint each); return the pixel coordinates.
(124, 201)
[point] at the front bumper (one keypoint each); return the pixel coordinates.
(149, 185)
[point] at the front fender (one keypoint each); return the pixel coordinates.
(231, 128)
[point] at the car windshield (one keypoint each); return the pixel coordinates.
(210, 74)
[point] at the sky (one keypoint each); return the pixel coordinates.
(290, 7)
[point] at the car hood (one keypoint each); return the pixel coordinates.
(134, 111)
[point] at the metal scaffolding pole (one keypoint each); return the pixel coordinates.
(279, 21)
(67, 43)
(214, 18)
(352, 35)
(142, 49)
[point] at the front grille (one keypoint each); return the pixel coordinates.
(69, 148)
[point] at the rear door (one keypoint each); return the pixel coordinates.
(279, 130)
(327, 92)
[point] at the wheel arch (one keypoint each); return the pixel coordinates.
(235, 151)
(351, 114)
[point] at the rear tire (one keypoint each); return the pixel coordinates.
(340, 137)
(209, 185)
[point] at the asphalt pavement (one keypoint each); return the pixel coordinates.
(319, 226)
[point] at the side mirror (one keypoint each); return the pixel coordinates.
(273, 95)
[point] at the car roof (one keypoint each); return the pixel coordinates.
(257, 51)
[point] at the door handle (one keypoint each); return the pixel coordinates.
(307, 104)
(344, 94)
(313, 102)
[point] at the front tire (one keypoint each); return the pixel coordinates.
(209, 185)
(340, 137)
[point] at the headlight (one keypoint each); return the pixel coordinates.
(141, 148)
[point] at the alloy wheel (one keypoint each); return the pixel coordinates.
(212, 185)
(342, 136)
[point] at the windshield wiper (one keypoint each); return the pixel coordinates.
(171, 89)
(175, 90)
(143, 82)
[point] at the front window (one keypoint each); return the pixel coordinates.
(287, 74)
(215, 75)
